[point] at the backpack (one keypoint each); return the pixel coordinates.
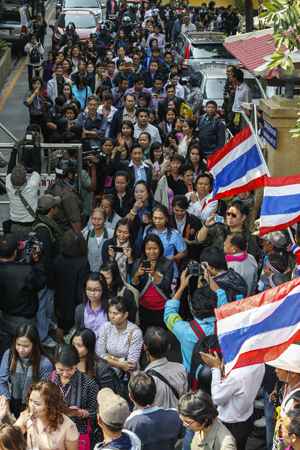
(205, 344)
(35, 56)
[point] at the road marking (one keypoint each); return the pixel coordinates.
(8, 89)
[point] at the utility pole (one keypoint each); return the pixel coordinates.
(249, 15)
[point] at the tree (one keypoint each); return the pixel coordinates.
(284, 17)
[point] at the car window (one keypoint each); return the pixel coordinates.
(205, 51)
(10, 15)
(180, 46)
(80, 21)
(81, 4)
(214, 88)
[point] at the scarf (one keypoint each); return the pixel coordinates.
(238, 257)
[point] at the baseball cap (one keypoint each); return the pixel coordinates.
(113, 409)
(276, 238)
(48, 201)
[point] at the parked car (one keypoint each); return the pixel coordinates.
(79, 5)
(203, 47)
(85, 22)
(15, 25)
(213, 79)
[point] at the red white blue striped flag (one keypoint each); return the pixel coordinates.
(281, 204)
(237, 167)
(259, 328)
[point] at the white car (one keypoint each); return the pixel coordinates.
(213, 79)
(88, 5)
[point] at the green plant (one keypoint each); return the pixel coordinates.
(284, 17)
(3, 45)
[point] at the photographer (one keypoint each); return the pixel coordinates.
(20, 283)
(230, 281)
(203, 300)
(152, 275)
(70, 208)
(22, 190)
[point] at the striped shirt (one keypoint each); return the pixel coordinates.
(125, 344)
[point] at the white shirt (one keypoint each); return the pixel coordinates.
(202, 209)
(188, 28)
(18, 212)
(242, 95)
(235, 394)
(151, 129)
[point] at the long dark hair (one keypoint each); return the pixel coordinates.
(117, 282)
(88, 338)
(95, 276)
(30, 332)
(153, 238)
(126, 222)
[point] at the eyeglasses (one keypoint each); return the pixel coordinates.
(186, 422)
(94, 291)
(231, 214)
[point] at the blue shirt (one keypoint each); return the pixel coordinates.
(183, 330)
(171, 239)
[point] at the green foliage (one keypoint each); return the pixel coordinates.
(284, 17)
(3, 45)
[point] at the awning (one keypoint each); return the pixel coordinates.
(253, 50)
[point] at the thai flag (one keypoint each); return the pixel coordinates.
(281, 203)
(238, 166)
(259, 328)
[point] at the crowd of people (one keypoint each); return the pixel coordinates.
(110, 279)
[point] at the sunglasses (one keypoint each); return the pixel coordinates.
(230, 214)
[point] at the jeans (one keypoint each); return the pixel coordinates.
(45, 312)
(187, 440)
(270, 422)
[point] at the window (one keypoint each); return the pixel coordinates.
(209, 51)
(81, 4)
(80, 21)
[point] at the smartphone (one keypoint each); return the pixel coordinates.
(118, 249)
(146, 264)
(219, 219)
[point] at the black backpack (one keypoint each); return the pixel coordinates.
(35, 56)
(205, 344)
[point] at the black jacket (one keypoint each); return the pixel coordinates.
(69, 277)
(211, 134)
(232, 283)
(192, 226)
(164, 266)
(115, 126)
(19, 287)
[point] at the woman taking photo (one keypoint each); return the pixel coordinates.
(78, 389)
(120, 341)
(92, 313)
(118, 288)
(46, 422)
(22, 365)
(119, 248)
(84, 340)
(37, 104)
(152, 275)
(95, 235)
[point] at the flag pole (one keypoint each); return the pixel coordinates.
(248, 121)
